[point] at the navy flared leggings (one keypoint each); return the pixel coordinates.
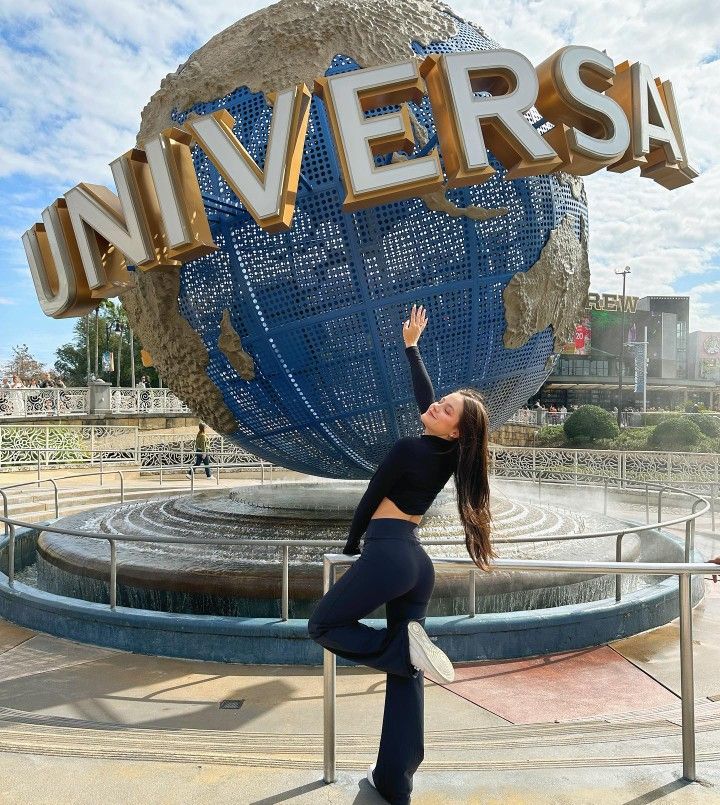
(394, 570)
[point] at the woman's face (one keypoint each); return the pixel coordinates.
(442, 418)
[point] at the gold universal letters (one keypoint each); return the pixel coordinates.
(618, 117)
(358, 139)
(469, 123)
(79, 254)
(268, 195)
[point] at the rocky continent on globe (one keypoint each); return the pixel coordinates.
(291, 343)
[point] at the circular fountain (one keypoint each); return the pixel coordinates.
(195, 598)
(200, 577)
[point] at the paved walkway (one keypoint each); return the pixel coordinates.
(79, 724)
(598, 726)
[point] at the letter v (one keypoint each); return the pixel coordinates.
(268, 195)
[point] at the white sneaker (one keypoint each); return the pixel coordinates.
(370, 771)
(427, 657)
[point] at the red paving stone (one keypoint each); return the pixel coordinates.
(560, 687)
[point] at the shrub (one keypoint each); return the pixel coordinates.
(709, 425)
(629, 439)
(550, 436)
(590, 422)
(655, 417)
(675, 434)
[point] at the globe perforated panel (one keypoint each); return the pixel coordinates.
(319, 308)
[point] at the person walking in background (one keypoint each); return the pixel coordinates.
(201, 453)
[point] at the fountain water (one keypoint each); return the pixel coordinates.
(244, 580)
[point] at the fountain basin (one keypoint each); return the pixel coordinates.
(244, 580)
(254, 641)
(257, 639)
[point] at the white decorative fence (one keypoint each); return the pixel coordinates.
(567, 464)
(55, 445)
(76, 401)
(146, 401)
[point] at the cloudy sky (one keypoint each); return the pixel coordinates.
(75, 74)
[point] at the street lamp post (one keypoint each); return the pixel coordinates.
(132, 358)
(624, 271)
(87, 349)
(119, 332)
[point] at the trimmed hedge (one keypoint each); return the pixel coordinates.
(675, 434)
(590, 422)
(709, 425)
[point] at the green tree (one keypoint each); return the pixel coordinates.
(104, 330)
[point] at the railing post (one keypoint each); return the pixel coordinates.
(57, 500)
(101, 468)
(122, 487)
(262, 472)
(285, 582)
(605, 497)
(92, 444)
(47, 445)
(38, 467)
(113, 574)
(5, 509)
(647, 502)
(575, 463)
(471, 593)
(11, 556)
(618, 558)
(660, 494)
(329, 680)
(713, 492)
(687, 686)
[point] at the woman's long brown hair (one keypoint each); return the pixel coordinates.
(471, 477)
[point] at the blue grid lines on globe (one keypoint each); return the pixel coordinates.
(319, 308)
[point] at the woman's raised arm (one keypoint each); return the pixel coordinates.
(422, 385)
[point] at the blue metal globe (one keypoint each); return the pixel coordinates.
(320, 307)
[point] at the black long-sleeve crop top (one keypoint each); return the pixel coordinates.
(414, 471)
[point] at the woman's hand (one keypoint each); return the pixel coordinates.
(414, 326)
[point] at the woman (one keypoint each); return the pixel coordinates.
(393, 569)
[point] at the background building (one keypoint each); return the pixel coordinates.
(704, 356)
(682, 367)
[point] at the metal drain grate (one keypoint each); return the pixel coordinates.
(231, 704)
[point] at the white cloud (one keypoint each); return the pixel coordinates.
(75, 75)
(5, 301)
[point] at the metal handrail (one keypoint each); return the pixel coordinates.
(330, 561)
(689, 529)
(682, 570)
(284, 546)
